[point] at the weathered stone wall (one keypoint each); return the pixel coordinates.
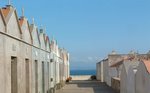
(115, 84)
(142, 79)
(100, 71)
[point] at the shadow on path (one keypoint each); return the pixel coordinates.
(86, 87)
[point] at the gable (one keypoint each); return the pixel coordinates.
(35, 36)
(13, 26)
(2, 25)
(26, 35)
(47, 44)
(146, 64)
(52, 46)
(42, 40)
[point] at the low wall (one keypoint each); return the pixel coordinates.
(115, 84)
(81, 77)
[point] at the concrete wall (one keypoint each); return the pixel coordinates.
(128, 73)
(123, 80)
(115, 84)
(131, 84)
(100, 71)
(134, 77)
(142, 79)
(52, 71)
(2, 24)
(106, 73)
(13, 25)
(2, 64)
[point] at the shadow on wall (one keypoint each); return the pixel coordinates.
(98, 87)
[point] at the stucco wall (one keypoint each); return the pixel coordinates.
(13, 25)
(2, 64)
(2, 26)
(100, 71)
(115, 84)
(123, 80)
(142, 79)
(131, 85)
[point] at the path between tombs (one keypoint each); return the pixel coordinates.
(86, 87)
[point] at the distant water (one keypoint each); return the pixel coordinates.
(83, 72)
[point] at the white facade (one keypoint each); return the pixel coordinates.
(100, 72)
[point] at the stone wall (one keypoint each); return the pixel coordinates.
(115, 84)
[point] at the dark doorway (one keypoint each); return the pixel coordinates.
(48, 74)
(27, 75)
(36, 76)
(43, 78)
(14, 85)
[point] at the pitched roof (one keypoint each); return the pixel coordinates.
(47, 39)
(2, 16)
(5, 11)
(21, 20)
(128, 64)
(32, 27)
(121, 61)
(147, 64)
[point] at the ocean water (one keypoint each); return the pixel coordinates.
(83, 72)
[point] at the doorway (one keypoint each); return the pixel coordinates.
(43, 78)
(36, 76)
(14, 85)
(27, 75)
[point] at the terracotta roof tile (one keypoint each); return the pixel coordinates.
(147, 64)
(21, 20)
(47, 39)
(121, 61)
(5, 11)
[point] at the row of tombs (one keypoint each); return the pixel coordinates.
(29, 61)
(126, 73)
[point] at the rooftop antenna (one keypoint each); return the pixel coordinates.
(22, 12)
(32, 20)
(56, 42)
(41, 26)
(45, 29)
(9, 2)
(53, 38)
(41, 22)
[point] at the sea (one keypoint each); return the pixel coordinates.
(83, 72)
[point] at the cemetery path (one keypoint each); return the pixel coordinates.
(86, 87)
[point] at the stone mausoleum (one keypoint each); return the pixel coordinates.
(30, 62)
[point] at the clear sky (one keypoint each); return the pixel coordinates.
(90, 29)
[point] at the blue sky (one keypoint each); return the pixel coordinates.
(90, 29)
